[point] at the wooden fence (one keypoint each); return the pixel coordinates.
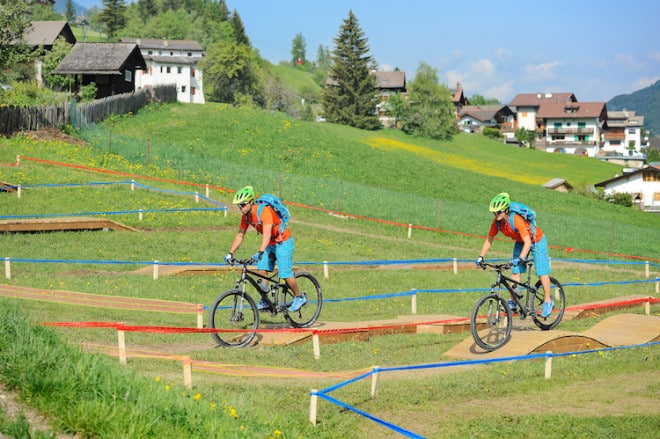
(14, 119)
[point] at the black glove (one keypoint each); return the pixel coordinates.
(479, 262)
(516, 262)
(229, 258)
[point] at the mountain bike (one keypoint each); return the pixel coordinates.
(491, 320)
(236, 310)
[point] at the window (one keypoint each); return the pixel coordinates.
(128, 76)
(582, 124)
(168, 69)
(192, 90)
(557, 124)
(632, 130)
(179, 69)
(192, 72)
(183, 89)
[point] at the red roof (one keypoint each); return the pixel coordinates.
(573, 110)
(536, 99)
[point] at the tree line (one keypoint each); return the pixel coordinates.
(234, 71)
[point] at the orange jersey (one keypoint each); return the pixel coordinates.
(523, 229)
(268, 216)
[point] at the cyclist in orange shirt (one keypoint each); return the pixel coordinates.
(275, 247)
(524, 244)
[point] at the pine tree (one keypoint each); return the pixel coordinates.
(239, 30)
(113, 17)
(350, 97)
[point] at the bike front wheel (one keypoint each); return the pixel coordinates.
(310, 312)
(491, 322)
(237, 313)
(557, 295)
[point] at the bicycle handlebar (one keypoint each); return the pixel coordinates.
(503, 266)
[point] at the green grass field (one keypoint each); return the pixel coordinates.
(442, 188)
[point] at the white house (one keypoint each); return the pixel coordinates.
(572, 127)
(643, 184)
(623, 135)
(171, 62)
(527, 105)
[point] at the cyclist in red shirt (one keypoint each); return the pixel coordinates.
(275, 247)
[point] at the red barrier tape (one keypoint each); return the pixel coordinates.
(366, 218)
(172, 329)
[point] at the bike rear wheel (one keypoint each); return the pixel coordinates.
(491, 322)
(236, 312)
(310, 312)
(557, 294)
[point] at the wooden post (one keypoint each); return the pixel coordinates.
(140, 214)
(455, 266)
(326, 272)
(18, 160)
(196, 197)
(409, 231)
(7, 268)
(414, 301)
(548, 365)
(18, 191)
(648, 274)
(156, 263)
(657, 285)
(374, 381)
(207, 191)
(316, 345)
(121, 338)
(187, 372)
(133, 185)
(313, 402)
(200, 316)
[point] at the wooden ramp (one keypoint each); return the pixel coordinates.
(34, 225)
(618, 330)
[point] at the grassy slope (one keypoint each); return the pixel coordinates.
(383, 174)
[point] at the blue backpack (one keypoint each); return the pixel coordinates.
(524, 211)
(278, 206)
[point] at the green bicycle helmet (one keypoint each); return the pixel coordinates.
(244, 195)
(500, 202)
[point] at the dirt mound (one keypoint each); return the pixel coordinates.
(52, 133)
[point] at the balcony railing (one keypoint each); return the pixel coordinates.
(560, 130)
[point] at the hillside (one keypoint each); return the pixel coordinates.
(645, 102)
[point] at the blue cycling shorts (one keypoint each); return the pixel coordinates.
(540, 254)
(282, 253)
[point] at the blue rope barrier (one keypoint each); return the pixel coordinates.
(324, 392)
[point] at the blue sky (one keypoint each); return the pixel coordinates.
(595, 49)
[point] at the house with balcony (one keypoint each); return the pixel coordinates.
(622, 139)
(171, 62)
(527, 106)
(571, 127)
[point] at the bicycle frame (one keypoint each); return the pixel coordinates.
(271, 299)
(510, 283)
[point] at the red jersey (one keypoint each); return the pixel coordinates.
(523, 227)
(268, 216)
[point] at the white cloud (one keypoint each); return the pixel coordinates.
(542, 71)
(482, 68)
(502, 53)
(502, 92)
(655, 56)
(628, 61)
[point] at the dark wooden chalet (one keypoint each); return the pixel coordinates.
(44, 33)
(111, 66)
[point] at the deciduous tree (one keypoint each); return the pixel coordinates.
(14, 20)
(429, 111)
